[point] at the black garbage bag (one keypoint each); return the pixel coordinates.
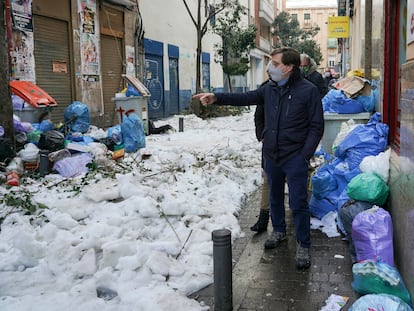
(158, 130)
(51, 140)
(108, 142)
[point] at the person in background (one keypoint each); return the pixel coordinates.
(263, 221)
(309, 72)
(293, 127)
(327, 76)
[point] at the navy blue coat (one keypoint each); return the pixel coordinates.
(293, 114)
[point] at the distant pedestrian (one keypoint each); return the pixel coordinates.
(310, 72)
(293, 128)
(327, 76)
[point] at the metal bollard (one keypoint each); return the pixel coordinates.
(44, 163)
(181, 124)
(222, 262)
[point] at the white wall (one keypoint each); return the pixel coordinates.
(170, 23)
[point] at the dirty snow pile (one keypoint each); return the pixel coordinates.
(136, 239)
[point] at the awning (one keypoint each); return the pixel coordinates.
(31, 93)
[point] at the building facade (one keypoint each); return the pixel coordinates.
(78, 50)
(314, 15)
(262, 16)
(170, 46)
(75, 50)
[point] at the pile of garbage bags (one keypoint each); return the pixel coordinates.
(353, 183)
(69, 148)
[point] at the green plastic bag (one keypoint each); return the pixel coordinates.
(368, 187)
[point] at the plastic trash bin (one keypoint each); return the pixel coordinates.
(132, 104)
(37, 104)
(333, 123)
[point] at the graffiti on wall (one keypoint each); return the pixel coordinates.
(88, 40)
(22, 42)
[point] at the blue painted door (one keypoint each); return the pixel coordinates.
(154, 81)
(205, 69)
(174, 88)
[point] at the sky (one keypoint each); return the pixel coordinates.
(139, 238)
(311, 3)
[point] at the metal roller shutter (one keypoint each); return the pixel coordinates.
(51, 46)
(112, 68)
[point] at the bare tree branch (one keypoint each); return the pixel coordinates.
(189, 13)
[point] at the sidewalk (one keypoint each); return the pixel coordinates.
(268, 279)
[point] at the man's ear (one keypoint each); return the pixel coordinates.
(289, 68)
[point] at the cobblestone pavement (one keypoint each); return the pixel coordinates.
(268, 279)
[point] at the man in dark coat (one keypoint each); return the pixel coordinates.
(294, 125)
(309, 72)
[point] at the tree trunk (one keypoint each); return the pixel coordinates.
(6, 107)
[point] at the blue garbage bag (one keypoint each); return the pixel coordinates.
(320, 207)
(364, 140)
(131, 91)
(323, 181)
(46, 125)
(343, 175)
(336, 101)
(368, 102)
(115, 132)
(133, 133)
(76, 116)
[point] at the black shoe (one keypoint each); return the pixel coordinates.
(275, 239)
(261, 224)
(303, 260)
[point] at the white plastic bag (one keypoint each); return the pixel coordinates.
(346, 128)
(379, 164)
(380, 302)
(30, 153)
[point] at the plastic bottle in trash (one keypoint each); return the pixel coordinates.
(13, 170)
(12, 178)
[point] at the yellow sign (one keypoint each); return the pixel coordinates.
(338, 27)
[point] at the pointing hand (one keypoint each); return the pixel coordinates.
(206, 98)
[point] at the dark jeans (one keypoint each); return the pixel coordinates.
(295, 171)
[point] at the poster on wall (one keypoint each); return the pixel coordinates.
(21, 56)
(88, 40)
(130, 56)
(22, 14)
(410, 22)
(21, 45)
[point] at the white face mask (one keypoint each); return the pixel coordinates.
(275, 73)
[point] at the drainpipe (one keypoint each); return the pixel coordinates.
(368, 40)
